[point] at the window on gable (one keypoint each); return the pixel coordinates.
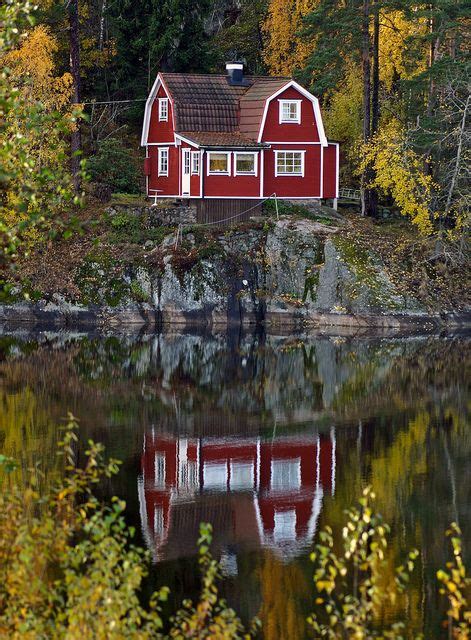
(163, 109)
(218, 162)
(245, 164)
(289, 163)
(195, 162)
(163, 161)
(290, 111)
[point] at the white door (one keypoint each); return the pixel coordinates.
(186, 172)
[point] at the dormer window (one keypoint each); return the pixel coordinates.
(290, 111)
(163, 109)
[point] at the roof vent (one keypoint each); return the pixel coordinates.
(235, 72)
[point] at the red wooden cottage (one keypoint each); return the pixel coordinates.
(235, 137)
(256, 492)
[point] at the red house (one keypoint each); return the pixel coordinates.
(255, 492)
(235, 137)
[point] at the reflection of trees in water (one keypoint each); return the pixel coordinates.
(407, 400)
(418, 466)
(250, 381)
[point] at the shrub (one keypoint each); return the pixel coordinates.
(115, 166)
(355, 588)
(69, 568)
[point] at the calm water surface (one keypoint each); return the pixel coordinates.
(269, 438)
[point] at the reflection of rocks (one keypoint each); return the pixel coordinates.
(221, 384)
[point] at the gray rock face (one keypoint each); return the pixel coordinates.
(292, 272)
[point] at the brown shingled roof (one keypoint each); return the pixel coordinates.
(208, 103)
(220, 139)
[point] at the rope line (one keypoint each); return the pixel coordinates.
(207, 224)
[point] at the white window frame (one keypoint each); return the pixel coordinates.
(163, 109)
(255, 163)
(161, 170)
(293, 175)
(219, 173)
(195, 163)
(282, 119)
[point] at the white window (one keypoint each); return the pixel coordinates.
(158, 521)
(195, 162)
(218, 163)
(215, 476)
(290, 111)
(242, 475)
(159, 470)
(285, 526)
(286, 475)
(245, 164)
(163, 109)
(163, 161)
(289, 163)
(186, 161)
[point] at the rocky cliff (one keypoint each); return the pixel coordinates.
(290, 271)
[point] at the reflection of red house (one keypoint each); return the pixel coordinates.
(262, 492)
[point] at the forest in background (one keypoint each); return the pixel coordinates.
(392, 77)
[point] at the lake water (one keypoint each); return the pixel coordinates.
(267, 437)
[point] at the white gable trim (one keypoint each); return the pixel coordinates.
(306, 94)
(187, 140)
(148, 108)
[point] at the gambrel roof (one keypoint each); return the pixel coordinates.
(206, 106)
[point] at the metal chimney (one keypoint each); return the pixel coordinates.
(235, 72)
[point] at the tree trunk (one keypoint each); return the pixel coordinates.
(74, 43)
(375, 112)
(366, 68)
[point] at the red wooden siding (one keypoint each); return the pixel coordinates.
(330, 171)
(230, 186)
(160, 131)
(305, 131)
(166, 185)
(294, 186)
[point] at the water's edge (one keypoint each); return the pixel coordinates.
(145, 317)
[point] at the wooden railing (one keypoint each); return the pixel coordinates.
(349, 194)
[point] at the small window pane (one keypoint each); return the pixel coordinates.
(195, 166)
(163, 108)
(218, 163)
(290, 111)
(163, 162)
(289, 162)
(245, 163)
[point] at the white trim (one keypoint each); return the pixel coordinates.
(160, 172)
(234, 65)
(282, 102)
(306, 94)
(262, 168)
(258, 197)
(175, 195)
(334, 461)
(186, 153)
(193, 155)
(162, 102)
(201, 173)
(148, 108)
(284, 142)
(337, 169)
(161, 144)
(228, 154)
(290, 175)
(321, 184)
(255, 163)
(187, 140)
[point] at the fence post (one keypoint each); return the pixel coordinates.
(276, 207)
